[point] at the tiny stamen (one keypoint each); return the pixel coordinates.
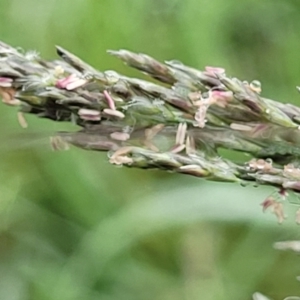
(89, 114)
(190, 146)
(76, 84)
(8, 96)
(114, 113)
(178, 148)
(109, 99)
(5, 82)
(58, 144)
(181, 132)
(120, 136)
(150, 133)
(120, 158)
(21, 119)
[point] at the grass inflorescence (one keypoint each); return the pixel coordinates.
(177, 122)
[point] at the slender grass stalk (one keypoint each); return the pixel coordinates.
(177, 123)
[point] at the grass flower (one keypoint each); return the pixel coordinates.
(178, 123)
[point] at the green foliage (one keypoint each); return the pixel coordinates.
(74, 227)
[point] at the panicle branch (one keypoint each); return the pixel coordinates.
(178, 123)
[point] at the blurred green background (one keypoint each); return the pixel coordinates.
(74, 227)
